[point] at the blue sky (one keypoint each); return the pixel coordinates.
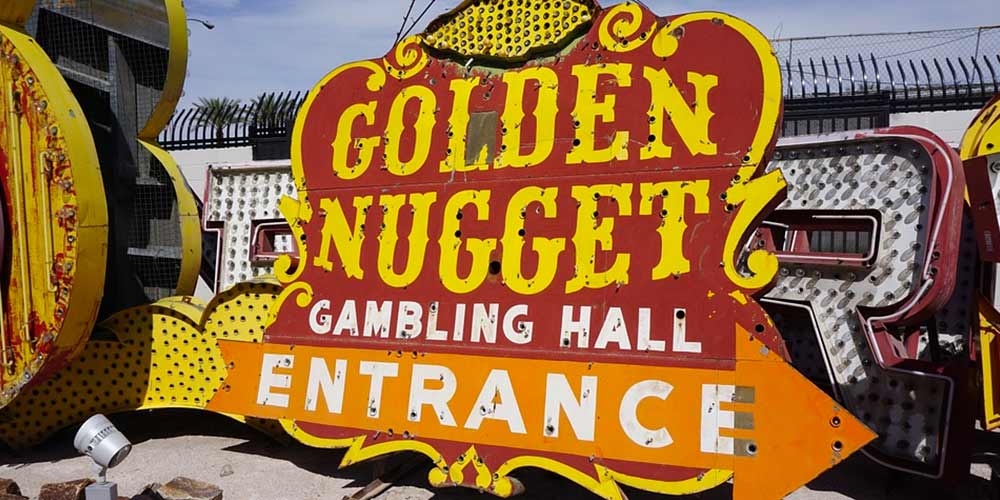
(278, 45)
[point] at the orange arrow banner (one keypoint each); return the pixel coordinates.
(759, 419)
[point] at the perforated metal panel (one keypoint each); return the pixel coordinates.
(829, 299)
(162, 355)
(239, 203)
(526, 26)
(950, 335)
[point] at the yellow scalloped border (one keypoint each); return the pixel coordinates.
(174, 338)
(603, 483)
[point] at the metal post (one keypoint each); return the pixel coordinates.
(979, 36)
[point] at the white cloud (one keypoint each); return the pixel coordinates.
(290, 46)
(212, 4)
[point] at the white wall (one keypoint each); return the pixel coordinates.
(949, 125)
(194, 163)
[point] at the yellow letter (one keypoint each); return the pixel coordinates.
(547, 84)
(589, 109)
(423, 130)
(668, 105)
(458, 125)
(673, 226)
(416, 241)
(364, 145)
(592, 229)
(451, 242)
(348, 242)
(548, 249)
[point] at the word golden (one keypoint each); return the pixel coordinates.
(361, 129)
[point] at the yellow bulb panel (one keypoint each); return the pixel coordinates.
(508, 29)
(162, 355)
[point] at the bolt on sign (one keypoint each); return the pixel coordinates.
(520, 238)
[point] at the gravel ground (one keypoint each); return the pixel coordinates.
(249, 466)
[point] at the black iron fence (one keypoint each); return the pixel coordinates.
(846, 82)
(267, 118)
(856, 93)
(830, 84)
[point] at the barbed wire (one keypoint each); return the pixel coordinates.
(927, 62)
(926, 44)
(937, 65)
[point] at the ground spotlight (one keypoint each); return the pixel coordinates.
(107, 447)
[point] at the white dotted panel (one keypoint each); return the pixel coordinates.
(237, 198)
(892, 180)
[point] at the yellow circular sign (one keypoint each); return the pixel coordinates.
(55, 218)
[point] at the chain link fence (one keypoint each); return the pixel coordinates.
(114, 55)
(918, 64)
(831, 83)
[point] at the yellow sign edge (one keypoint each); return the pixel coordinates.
(91, 205)
(177, 64)
(188, 219)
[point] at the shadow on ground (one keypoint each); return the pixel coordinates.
(856, 479)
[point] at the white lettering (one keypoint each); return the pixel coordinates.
(645, 343)
(270, 380)
(581, 413)
(519, 332)
(331, 387)
(484, 324)
(580, 327)
(420, 395)
(348, 319)
(459, 323)
(713, 418)
(497, 388)
(378, 372)
(320, 323)
(377, 318)
(408, 323)
(613, 330)
(680, 334)
(432, 320)
(629, 419)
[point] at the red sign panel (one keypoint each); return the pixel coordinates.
(511, 262)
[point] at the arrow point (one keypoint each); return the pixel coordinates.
(799, 431)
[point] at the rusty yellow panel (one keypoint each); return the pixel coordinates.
(982, 139)
(507, 29)
(55, 217)
(989, 341)
(16, 12)
(162, 355)
(188, 219)
(177, 62)
(983, 135)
